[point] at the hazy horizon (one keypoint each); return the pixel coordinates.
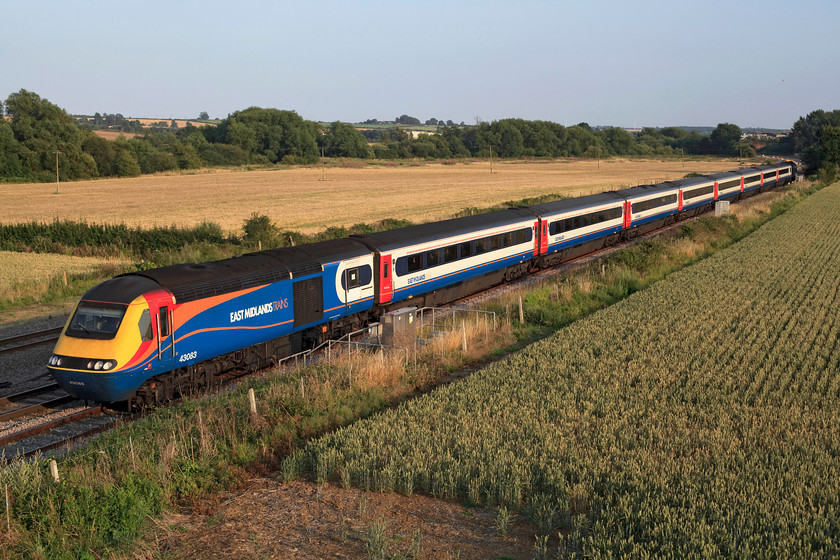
(649, 63)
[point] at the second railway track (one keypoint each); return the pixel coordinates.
(28, 340)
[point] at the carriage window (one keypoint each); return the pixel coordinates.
(432, 258)
(495, 242)
(466, 250)
(415, 262)
(145, 326)
(481, 246)
(450, 253)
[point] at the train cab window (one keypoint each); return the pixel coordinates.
(99, 321)
(145, 326)
(164, 322)
(450, 253)
(466, 249)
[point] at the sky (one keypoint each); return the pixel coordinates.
(612, 63)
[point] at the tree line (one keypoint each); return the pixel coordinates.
(36, 132)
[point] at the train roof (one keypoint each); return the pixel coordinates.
(192, 281)
(724, 175)
(691, 181)
(122, 289)
(423, 233)
(579, 203)
(644, 190)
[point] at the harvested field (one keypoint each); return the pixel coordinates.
(17, 268)
(309, 199)
(114, 134)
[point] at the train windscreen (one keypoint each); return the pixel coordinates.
(96, 320)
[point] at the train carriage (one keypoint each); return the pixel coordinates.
(696, 195)
(751, 180)
(649, 207)
(576, 226)
(769, 177)
(432, 263)
(787, 172)
(727, 185)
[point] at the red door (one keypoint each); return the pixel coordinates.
(537, 237)
(680, 204)
(716, 190)
(386, 286)
(544, 237)
(628, 216)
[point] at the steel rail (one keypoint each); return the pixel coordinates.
(51, 424)
(35, 408)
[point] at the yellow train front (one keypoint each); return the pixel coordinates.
(113, 341)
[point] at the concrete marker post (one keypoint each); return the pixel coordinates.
(252, 399)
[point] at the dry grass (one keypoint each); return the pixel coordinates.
(309, 199)
(114, 134)
(16, 268)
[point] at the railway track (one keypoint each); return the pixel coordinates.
(85, 413)
(30, 414)
(28, 340)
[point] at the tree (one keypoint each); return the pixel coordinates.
(41, 129)
(509, 141)
(405, 119)
(203, 116)
(125, 164)
(344, 140)
(10, 164)
(272, 134)
(829, 139)
(725, 138)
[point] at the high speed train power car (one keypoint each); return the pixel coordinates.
(147, 336)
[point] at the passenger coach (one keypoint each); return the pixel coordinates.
(432, 263)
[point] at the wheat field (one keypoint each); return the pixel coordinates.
(311, 198)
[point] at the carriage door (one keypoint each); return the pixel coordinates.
(165, 333)
(386, 286)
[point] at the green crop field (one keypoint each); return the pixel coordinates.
(697, 419)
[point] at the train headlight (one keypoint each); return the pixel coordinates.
(98, 365)
(108, 364)
(90, 364)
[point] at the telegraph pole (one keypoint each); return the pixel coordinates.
(57, 182)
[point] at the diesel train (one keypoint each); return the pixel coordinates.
(144, 337)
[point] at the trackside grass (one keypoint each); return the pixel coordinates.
(695, 419)
(181, 456)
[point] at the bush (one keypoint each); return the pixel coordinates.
(259, 228)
